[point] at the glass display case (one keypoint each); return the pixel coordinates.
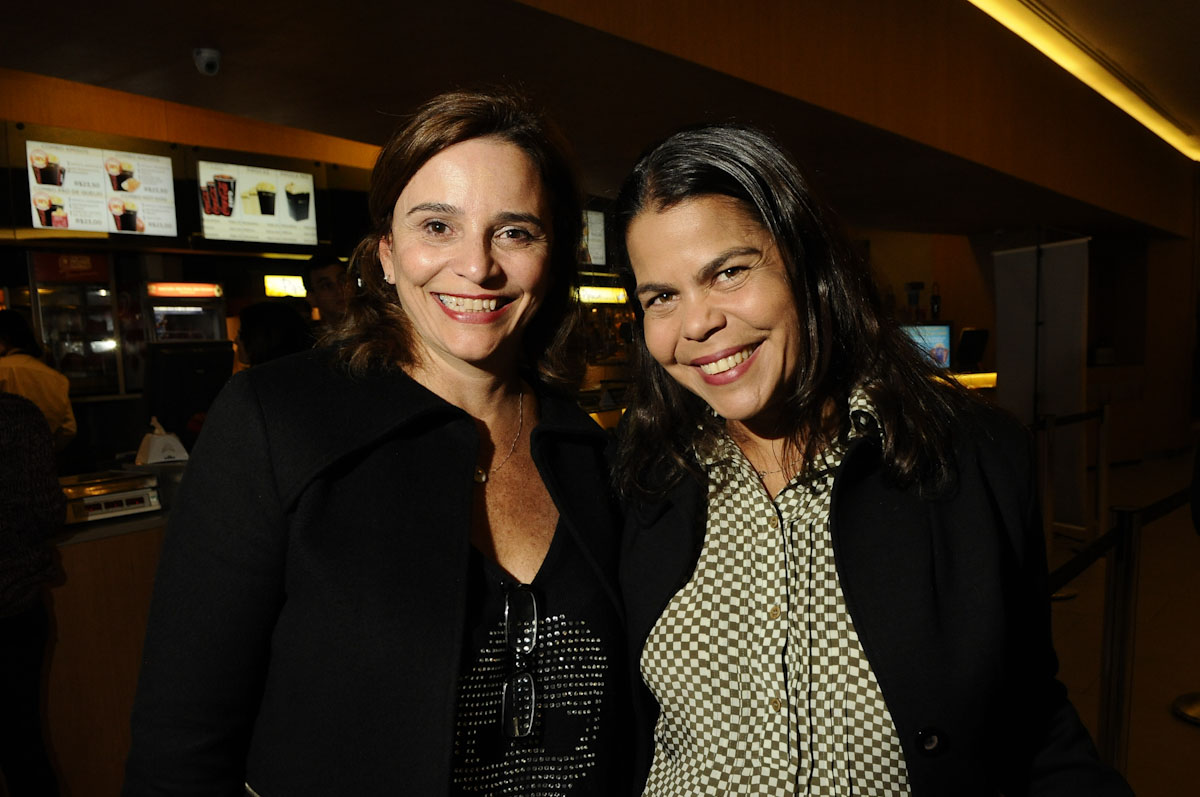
(80, 336)
(75, 307)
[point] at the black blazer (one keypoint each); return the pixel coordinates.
(307, 622)
(949, 600)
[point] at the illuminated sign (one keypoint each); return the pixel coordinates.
(284, 285)
(255, 204)
(598, 294)
(184, 290)
(99, 190)
(591, 244)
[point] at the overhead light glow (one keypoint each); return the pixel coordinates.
(1023, 21)
(976, 381)
(288, 256)
(599, 294)
(284, 285)
(184, 290)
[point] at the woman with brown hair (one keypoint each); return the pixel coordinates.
(389, 567)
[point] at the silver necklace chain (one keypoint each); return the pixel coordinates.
(763, 472)
(481, 475)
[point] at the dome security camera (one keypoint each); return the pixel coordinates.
(208, 60)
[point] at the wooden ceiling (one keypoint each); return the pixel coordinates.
(1153, 47)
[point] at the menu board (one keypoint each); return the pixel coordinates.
(252, 203)
(100, 190)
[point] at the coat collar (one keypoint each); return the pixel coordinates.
(342, 415)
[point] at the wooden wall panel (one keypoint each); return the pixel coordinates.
(100, 613)
(38, 99)
(938, 71)
(1171, 296)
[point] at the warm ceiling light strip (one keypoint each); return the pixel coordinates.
(1026, 23)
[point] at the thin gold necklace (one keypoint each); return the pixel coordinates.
(481, 475)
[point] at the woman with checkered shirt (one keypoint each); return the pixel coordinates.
(833, 566)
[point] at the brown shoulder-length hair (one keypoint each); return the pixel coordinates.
(376, 333)
(848, 341)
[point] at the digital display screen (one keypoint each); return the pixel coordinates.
(933, 339)
(592, 242)
(256, 204)
(99, 190)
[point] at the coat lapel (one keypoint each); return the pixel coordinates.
(568, 449)
(353, 413)
(659, 552)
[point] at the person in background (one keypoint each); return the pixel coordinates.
(23, 372)
(833, 567)
(32, 510)
(391, 565)
(269, 330)
(328, 288)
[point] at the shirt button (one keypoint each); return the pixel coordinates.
(773, 522)
(776, 704)
(773, 612)
(930, 741)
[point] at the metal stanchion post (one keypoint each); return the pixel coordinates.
(1187, 706)
(1102, 431)
(1116, 667)
(1046, 481)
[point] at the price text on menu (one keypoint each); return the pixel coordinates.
(252, 203)
(99, 190)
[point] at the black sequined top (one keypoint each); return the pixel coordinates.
(577, 672)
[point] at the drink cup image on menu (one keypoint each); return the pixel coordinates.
(125, 178)
(129, 219)
(116, 206)
(226, 185)
(46, 168)
(37, 162)
(266, 198)
(112, 166)
(42, 204)
(125, 215)
(120, 174)
(53, 174)
(298, 201)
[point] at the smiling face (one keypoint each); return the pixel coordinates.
(719, 311)
(469, 252)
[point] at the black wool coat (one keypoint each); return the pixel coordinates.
(948, 597)
(306, 630)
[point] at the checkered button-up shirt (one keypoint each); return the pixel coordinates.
(763, 685)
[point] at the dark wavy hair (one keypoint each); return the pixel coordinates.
(376, 331)
(847, 339)
(17, 333)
